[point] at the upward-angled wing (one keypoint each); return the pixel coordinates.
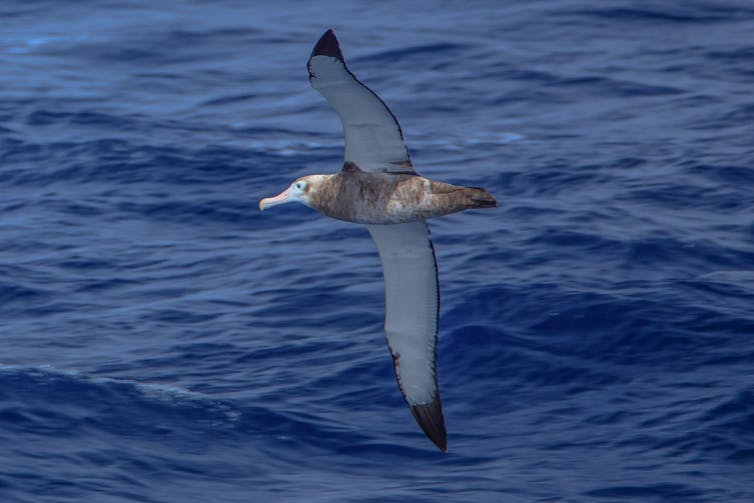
(374, 140)
(412, 301)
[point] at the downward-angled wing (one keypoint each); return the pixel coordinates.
(374, 140)
(412, 301)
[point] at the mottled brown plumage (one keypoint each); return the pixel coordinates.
(387, 198)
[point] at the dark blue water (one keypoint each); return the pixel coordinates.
(163, 341)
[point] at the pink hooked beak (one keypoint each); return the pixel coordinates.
(272, 201)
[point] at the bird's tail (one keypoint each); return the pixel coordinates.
(477, 197)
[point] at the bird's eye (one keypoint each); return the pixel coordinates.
(299, 185)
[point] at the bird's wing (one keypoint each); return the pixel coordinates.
(374, 140)
(412, 302)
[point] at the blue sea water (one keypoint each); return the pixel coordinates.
(161, 340)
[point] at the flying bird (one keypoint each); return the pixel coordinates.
(378, 187)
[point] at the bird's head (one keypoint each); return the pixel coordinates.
(302, 190)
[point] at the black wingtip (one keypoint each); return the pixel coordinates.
(328, 46)
(431, 420)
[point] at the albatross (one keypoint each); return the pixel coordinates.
(378, 187)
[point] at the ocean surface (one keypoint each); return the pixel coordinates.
(161, 340)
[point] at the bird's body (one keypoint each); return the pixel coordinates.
(362, 197)
(378, 186)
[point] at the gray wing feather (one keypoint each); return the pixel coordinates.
(374, 140)
(412, 301)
